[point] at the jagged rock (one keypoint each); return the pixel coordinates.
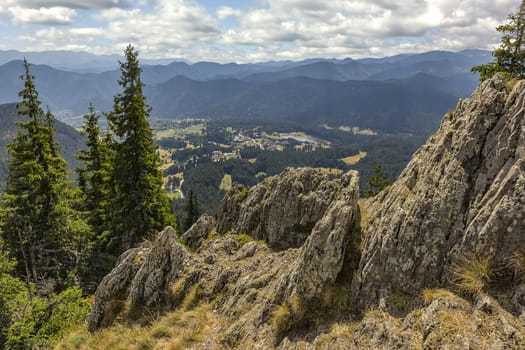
(282, 210)
(142, 274)
(113, 284)
(463, 193)
(163, 263)
(247, 281)
(323, 253)
(194, 236)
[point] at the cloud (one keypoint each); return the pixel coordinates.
(50, 16)
(267, 29)
(224, 12)
(73, 4)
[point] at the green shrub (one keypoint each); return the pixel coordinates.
(243, 239)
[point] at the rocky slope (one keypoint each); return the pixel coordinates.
(246, 280)
(462, 194)
(294, 262)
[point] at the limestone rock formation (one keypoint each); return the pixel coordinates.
(143, 275)
(323, 254)
(246, 280)
(445, 322)
(282, 210)
(462, 194)
(199, 231)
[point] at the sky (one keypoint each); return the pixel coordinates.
(252, 30)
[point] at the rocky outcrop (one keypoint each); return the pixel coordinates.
(282, 210)
(323, 253)
(246, 280)
(142, 276)
(445, 322)
(462, 194)
(196, 234)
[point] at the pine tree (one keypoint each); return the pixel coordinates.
(40, 226)
(510, 55)
(140, 206)
(93, 179)
(94, 173)
(192, 210)
(378, 182)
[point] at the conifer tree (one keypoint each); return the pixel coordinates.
(139, 204)
(510, 55)
(378, 182)
(94, 174)
(40, 226)
(192, 210)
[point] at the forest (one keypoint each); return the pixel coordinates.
(59, 237)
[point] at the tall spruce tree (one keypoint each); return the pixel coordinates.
(93, 176)
(93, 179)
(510, 55)
(139, 204)
(40, 225)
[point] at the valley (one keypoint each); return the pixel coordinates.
(202, 155)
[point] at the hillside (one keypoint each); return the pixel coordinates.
(69, 139)
(300, 262)
(414, 90)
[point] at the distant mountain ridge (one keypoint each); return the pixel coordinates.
(352, 92)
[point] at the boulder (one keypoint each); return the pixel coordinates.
(282, 210)
(194, 236)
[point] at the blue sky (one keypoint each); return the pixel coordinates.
(252, 30)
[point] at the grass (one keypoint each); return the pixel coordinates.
(290, 314)
(181, 329)
(517, 264)
(471, 274)
(226, 182)
(351, 160)
(243, 239)
(429, 295)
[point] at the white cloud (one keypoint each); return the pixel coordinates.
(74, 4)
(224, 12)
(267, 29)
(52, 16)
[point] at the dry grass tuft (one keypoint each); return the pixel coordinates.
(181, 329)
(517, 264)
(471, 275)
(289, 315)
(429, 295)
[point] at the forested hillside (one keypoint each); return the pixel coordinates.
(406, 93)
(69, 139)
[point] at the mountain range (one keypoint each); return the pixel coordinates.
(404, 93)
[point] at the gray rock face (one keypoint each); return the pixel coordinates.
(462, 193)
(282, 210)
(142, 275)
(246, 281)
(323, 253)
(199, 231)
